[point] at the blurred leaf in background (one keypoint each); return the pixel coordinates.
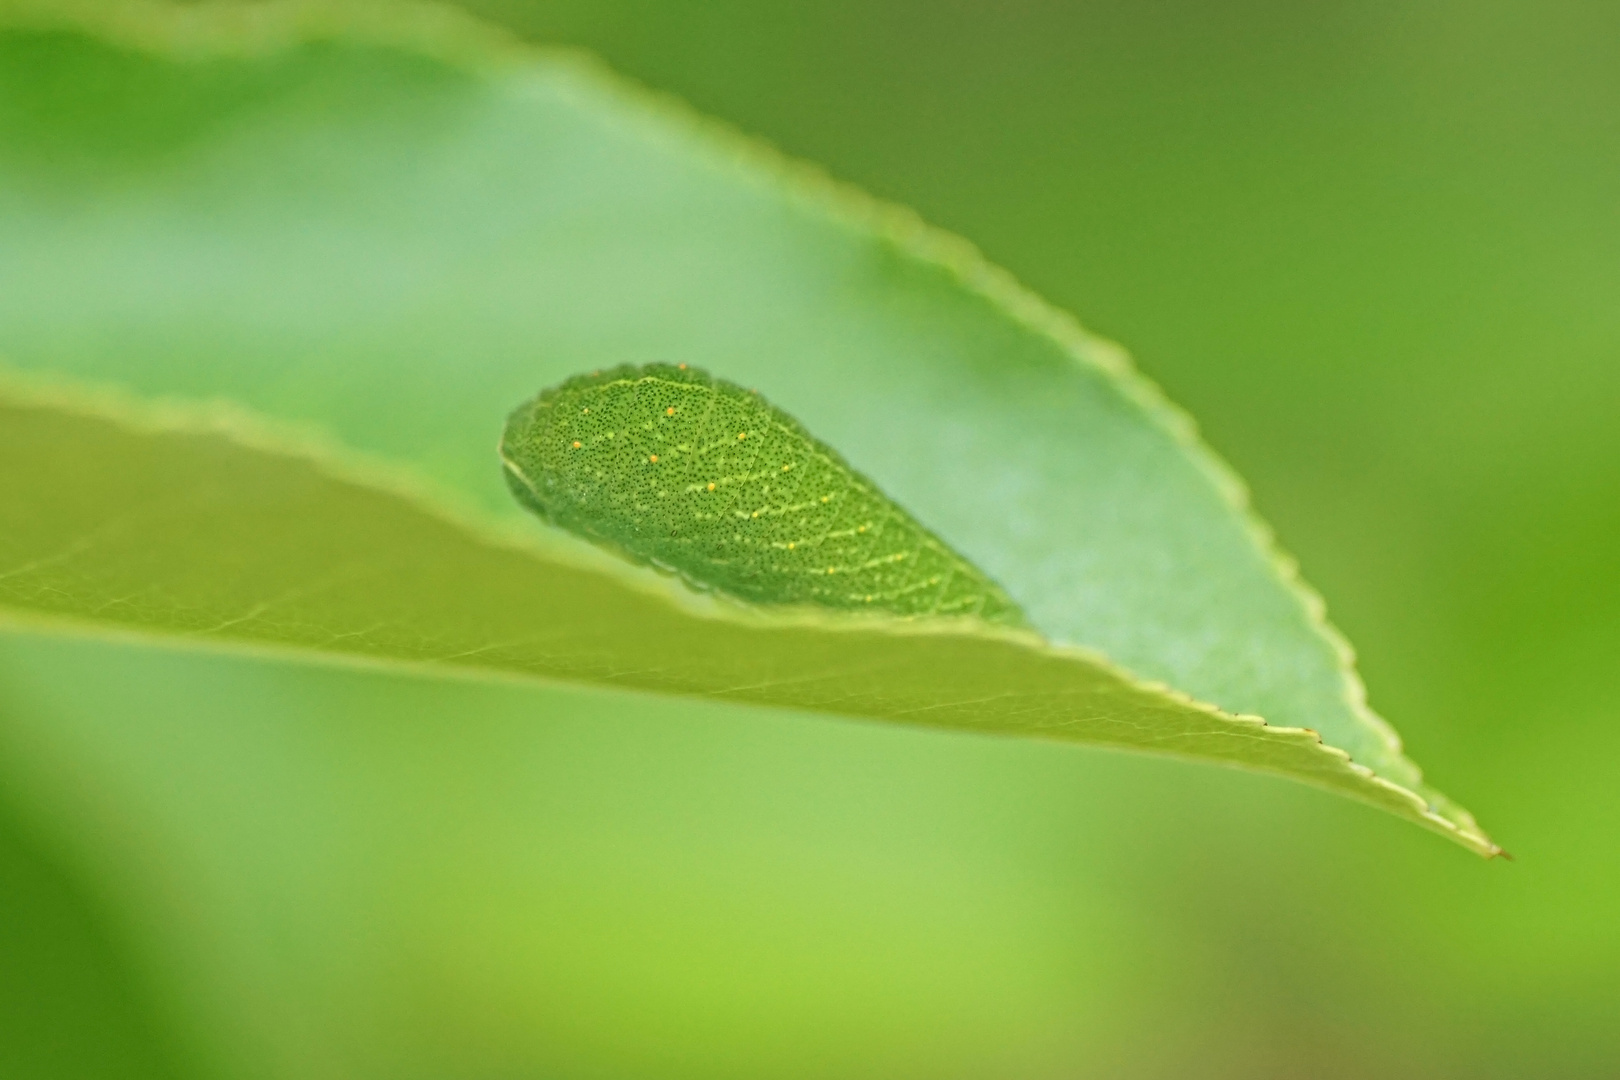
(1372, 247)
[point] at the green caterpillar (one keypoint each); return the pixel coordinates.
(673, 467)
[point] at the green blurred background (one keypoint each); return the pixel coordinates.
(1375, 249)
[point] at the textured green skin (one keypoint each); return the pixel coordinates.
(674, 467)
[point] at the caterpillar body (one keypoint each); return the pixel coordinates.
(672, 467)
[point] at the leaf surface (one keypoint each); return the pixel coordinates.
(391, 230)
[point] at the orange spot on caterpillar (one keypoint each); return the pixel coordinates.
(711, 486)
(785, 468)
(742, 434)
(653, 458)
(670, 411)
(576, 444)
(681, 366)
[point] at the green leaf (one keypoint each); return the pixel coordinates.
(389, 229)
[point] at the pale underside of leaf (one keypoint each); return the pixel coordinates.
(183, 529)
